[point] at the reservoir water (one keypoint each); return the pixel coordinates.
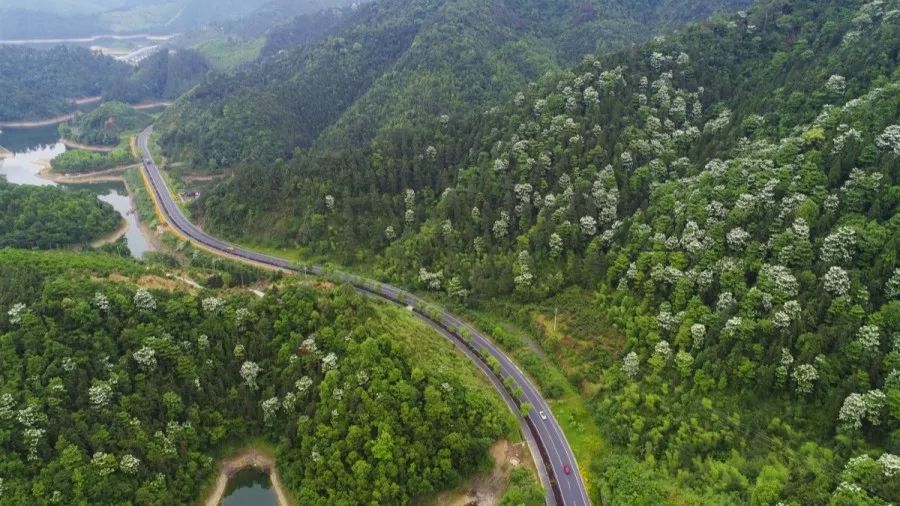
(249, 488)
(34, 147)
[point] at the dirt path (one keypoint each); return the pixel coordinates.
(37, 123)
(85, 100)
(87, 147)
(251, 458)
(151, 105)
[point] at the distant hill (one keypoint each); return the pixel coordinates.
(400, 62)
(38, 84)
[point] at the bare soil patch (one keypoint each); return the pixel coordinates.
(488, 487)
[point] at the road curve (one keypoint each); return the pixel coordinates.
(567, 488)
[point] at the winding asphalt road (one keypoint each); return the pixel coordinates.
(545, 436)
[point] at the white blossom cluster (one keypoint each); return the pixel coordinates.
(524, 278)
(698, 334)
(329, 202)
(100, 395)
(837, 281)
(431, 280)
(129, 464)
(889, 140)
(892, 286)
(303, 384)
(836, 84)
(329, 362)
(890, 464)
(839, 246)
(662, 350)
(859, 407)
(212, 304)
(309, 346)
(146, 358)
(389, 233)
(719, 122)
(270, 409)
(249, 371)
(15, 313)
(501, 226)
(846, 133)
(32, 438)
(144, 300)
(101, 301)
(241, 315)
(805, 376)
(556, 245)
(631, 364)
(289, 401)
(726, 301)
(869, 338)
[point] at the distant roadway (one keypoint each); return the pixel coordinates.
(546, 439)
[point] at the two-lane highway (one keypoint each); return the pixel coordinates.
(548, 440)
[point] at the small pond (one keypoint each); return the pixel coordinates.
(249, 487)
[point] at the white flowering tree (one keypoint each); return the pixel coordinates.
(805, 377)
(698, 334)
(631, 365)
(249, 372)
(15, 313)
(101, 301)
(270, 408)
(861, 407)
(329, 362)
(129, 464)
(588, 226)
(145, 358)
(212, 304)
(144, 300)
(837, 281)
(100, 394)
(889, 140)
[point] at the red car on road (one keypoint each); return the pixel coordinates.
(567, 469)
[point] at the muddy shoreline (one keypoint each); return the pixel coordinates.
(86, 147)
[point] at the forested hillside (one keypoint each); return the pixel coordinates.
(111, 393)
(43, 217)
(401, 65)
(105, 124)
(725, 198)
(39, 84)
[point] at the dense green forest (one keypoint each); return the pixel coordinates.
(723, 201)
(163, 75)
(39, 84)
(76, 161)
(112, 393)
(398, 65)
(47, 217)
(105, 124)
